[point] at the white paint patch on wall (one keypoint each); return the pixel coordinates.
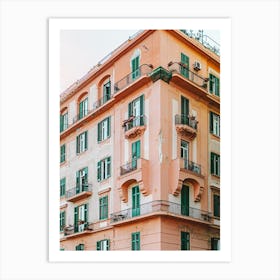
(146, 133)
(174, 133)
(93, 96)
(72, 111)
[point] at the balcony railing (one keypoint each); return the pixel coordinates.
(128, 167)
(186, 120)
(80, 116)
(191, 166)
(85, 188)
(184, 71)
(79, 227)
(143, 70)
(101, 101)
(134, 122)
(162, 206)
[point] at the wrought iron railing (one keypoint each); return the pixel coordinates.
(143, 70)
(186, 120)
(134, 122)
(160, 206)
(77, 190)
(191, 166)
(101, 101)
(128, 167)
(184, 71)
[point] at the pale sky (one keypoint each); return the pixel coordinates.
(80, 50)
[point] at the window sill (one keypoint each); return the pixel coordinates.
(217, 137)
(215, 176)
(102, 142)
(81, 153)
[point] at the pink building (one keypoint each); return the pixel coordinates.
(140, 149)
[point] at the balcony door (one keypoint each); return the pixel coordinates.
(80, 217)
(185, 200)
(135, 109)
(135, 201)
(135, 153)
(185, 68)
(82, 180)
(185, 110)
(185, 153)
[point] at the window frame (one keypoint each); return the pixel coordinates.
(214, 84)
(215, 164)
(103, 245)
(62, 186)
(103, 207)
(63, 121)
(102, 127)
(63, 153)
(80, 247)
(62, 220)
(135, 241)
(216, 205)
(104, 169)
(82, 142)
(185, 241)
(83, 108)
(215, 130)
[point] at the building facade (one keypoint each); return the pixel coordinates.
(140, 149)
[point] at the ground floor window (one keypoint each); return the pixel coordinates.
(185, 240)
(135, 241)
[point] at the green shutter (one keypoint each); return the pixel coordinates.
(211, 77)
(142, 105)
(77, 145)
(136, 149)
(76, 227)
(86, 212)
(185, 240)
(217, 84)
(98, 247)
(185, 200)
(61, 123)
(130, 109)
(86, 140)
(78, 190)
(62, 186)
(109, 126)
(99, 171)
(211, 122)
(135, 241)
(81, 109)
(185, 68)
(135, 201)
(184, 110)
(212, 163)
(216, 205)
(108, 162)
(99, 132)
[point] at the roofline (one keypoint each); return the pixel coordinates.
(125, 47)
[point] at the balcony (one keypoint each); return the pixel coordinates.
(161, 207)
(186, 126)
(100, 102)
(78, 229)
(190, 166)
(142, 71)
(134, 126)
(134, 172)
(186, 78)
(79, 192)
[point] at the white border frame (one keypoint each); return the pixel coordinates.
(221, 24)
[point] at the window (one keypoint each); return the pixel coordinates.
(184, 110)
(63, 122)
(104, 129)
(103, 245)
(135, 241)
(106, 91)
(62, 186)
(136, 110)
(215, 164)
(135, 68)
(216, 205)
(135, 153)
(185, 200)
(104, 169)
(81, 142)
(185, 153)
(214, 85)
(62, 153)
(62, 220)
(83, 108)
(103, 208)
(185, 240)
(135, 201)
(80, 218)
(215, 243)
(215, 124)
(82, 180)
(185, 68)
(80, 247)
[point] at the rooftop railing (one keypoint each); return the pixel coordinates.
(186, 120)
(160, 206)
(184, 71)
(143, 70)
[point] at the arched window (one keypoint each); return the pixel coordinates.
(63, 119)
(83, 105)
